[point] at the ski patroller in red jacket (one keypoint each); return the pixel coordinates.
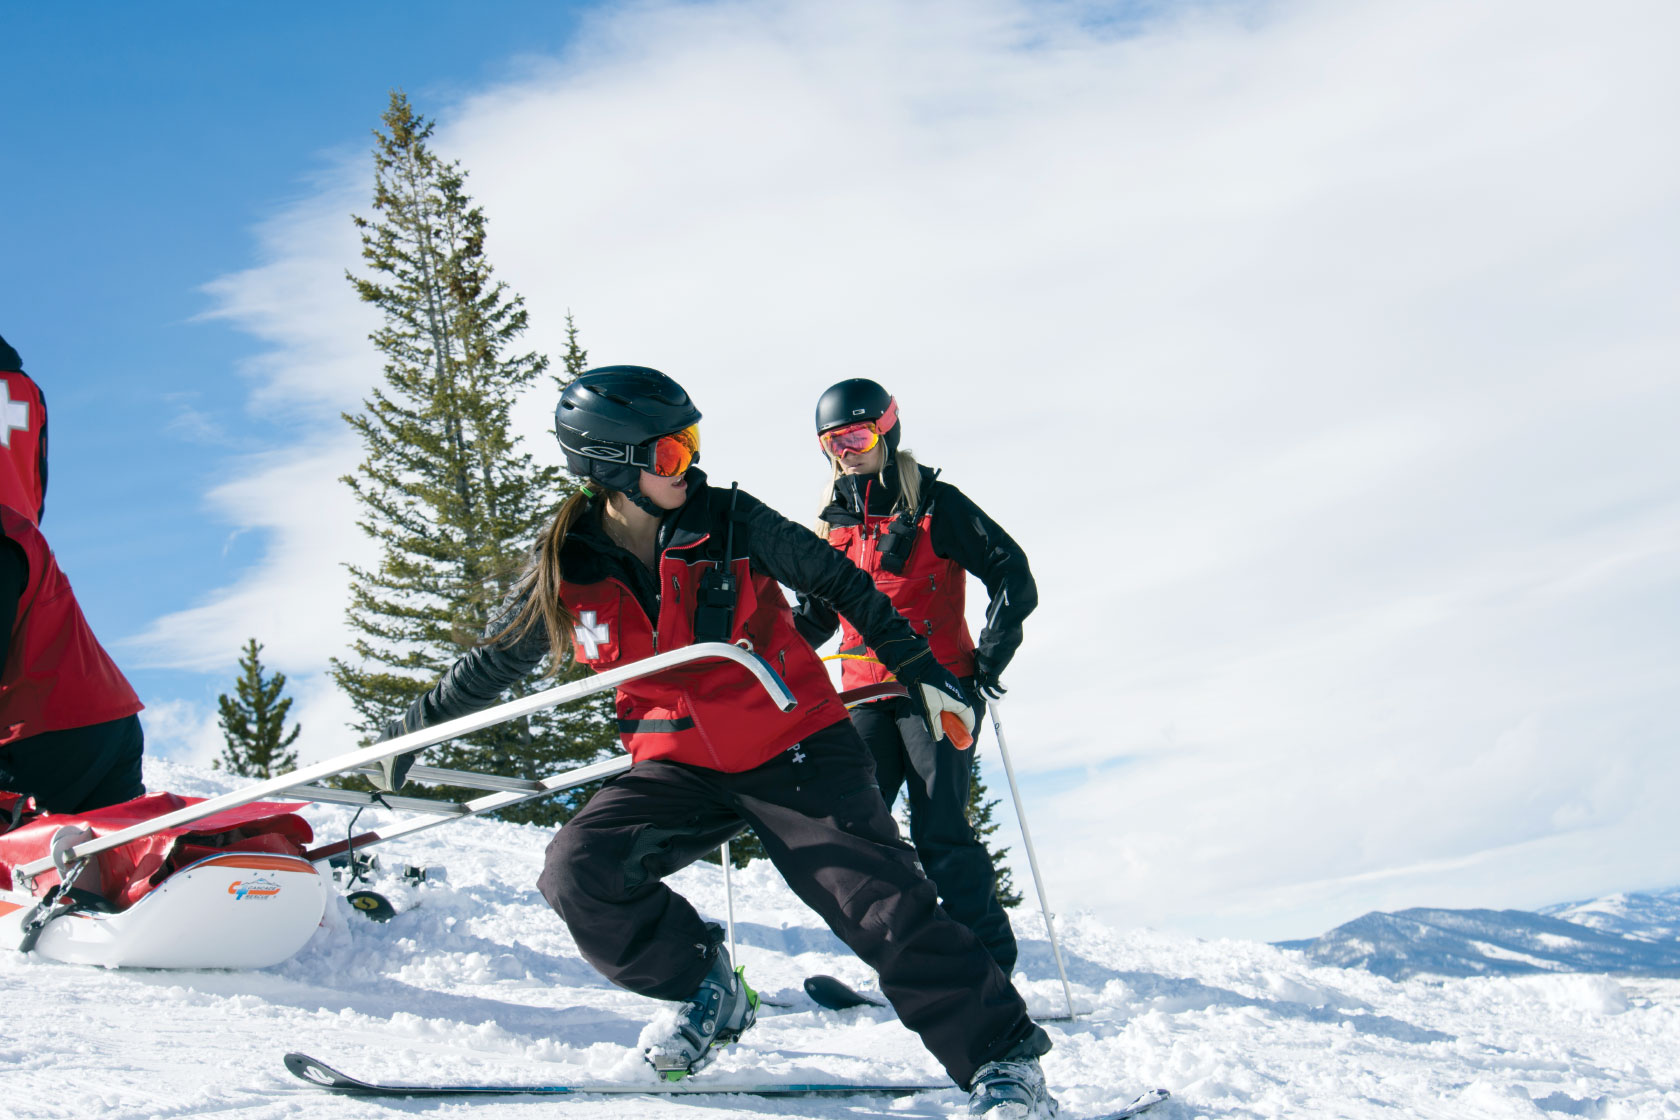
(953, 538)
(23, 438)
(710, 714)
(930, 592)
(56, 675)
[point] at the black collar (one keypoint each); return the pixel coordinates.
(880, 490)
(682, 527)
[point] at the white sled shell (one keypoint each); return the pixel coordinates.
(239, 910)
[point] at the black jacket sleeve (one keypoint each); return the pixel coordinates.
(961, 531)
(478, 678)
(793, 555)
(14, 577)
(815, 622)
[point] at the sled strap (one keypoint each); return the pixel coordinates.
(56, 903)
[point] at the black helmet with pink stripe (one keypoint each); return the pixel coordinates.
(855, 399)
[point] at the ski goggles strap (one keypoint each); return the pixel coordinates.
(666, 456)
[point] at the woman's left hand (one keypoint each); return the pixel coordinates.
(939, 691)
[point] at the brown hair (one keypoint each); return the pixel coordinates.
(539, 587)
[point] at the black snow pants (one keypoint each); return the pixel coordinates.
(817, 810)
(78, 769)
(938, 776)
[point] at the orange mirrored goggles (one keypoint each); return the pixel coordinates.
(675, 453)
(860, 437)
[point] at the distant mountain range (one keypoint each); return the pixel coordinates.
(1629, 934)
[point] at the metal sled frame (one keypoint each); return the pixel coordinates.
(299, 783)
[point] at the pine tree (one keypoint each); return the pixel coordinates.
(980, 817)
(576, 358)
(253, 721)
(444, 487)
(742, 850)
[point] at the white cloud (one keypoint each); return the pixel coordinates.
(183, 731)
(293, 598)
(1323, 356)
(189, 731)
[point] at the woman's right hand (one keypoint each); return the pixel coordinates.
(393, 772)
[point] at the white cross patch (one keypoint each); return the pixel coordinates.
(14, 415)
(591, 634)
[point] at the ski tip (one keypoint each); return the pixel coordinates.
(1143, 1103)
(318, 1072)
(835, 995)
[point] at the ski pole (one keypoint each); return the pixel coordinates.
(1032, 857)
(729, 904)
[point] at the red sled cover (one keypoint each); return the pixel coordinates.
(127, 873)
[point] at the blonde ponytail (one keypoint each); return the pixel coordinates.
(909, 482)
(819, 526)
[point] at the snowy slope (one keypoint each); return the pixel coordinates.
(475, 979)
(1435, 942)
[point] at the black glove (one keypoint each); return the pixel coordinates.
(987, 671)
(938, 691)
(393, 772)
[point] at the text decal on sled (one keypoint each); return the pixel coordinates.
(242, 889)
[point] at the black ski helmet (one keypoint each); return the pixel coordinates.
(608, 418)
(854, 399)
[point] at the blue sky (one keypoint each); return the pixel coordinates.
(1323, 356)
(143, 145)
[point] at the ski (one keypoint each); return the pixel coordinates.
(826, 991)
(323, 1076)
(1143, 1103)
(836, 995)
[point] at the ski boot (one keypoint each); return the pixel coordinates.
(718, 1013)
(1012, 1087)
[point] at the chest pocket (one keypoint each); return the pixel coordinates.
(597, 635)
(859, 547)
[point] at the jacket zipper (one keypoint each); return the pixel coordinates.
(654, 623)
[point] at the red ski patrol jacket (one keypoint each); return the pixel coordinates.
(709, 714)
(23, 440)
(952, 537)
(712, 715)
(56, 674)
(930, 592)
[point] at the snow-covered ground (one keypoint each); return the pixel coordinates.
(476, 979)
